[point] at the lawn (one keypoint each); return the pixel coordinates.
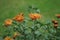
(10, 8)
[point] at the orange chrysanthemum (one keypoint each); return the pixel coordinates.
(55, 21)
(55, 25)
(34, 16)
(16, 34)
(19, 18)
(8, 22)
(58, 15)
(8, 38)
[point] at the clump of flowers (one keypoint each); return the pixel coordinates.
(20, 28)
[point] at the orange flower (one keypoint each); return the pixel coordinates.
(58, 15)
(16, 34)
(8, 38)
(19, 18)
(34, 16)
(8, 22)
(54, 21)
(55, 25)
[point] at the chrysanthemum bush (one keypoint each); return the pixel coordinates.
(30, 28)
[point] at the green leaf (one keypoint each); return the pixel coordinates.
(38, 33)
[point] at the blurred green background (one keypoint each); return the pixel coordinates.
(9, 8)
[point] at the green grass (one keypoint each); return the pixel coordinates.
(9, 8)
